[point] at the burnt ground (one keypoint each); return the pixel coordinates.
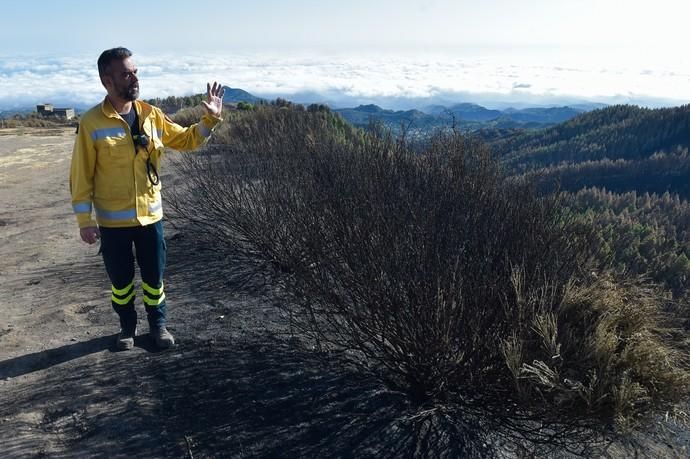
(238, 383)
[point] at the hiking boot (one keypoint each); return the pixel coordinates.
(162, 337)
(125, 340)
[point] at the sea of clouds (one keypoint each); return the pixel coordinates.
(393, 81)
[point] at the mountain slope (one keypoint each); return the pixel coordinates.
(468, 117)
(543, 115)
(620, 148)
(236, 95)
(658, 174)
(363, 115)
(617, 132)
(471, 112)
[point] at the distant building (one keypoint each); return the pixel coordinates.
(44, 109)
(49, 110)
(67, 113)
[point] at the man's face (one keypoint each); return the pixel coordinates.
(121, 80)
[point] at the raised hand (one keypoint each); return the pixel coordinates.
(214, 99)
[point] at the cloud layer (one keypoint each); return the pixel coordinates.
(394, 81)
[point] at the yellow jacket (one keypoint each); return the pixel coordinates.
(108, 175)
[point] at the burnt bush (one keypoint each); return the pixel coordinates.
(432, 271)
(188, 115)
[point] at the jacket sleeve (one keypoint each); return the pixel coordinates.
(82, 171)
(190, 138)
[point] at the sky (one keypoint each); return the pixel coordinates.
(396, 53)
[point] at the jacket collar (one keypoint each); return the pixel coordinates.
(143, 109)
(108, 109)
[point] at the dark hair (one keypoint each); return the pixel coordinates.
(110, 55)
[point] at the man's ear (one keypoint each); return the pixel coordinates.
(106, 81)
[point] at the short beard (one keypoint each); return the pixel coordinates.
(130, 94)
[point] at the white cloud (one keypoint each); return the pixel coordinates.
(498, 78)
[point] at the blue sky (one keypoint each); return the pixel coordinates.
(171, 25)
(491, 51)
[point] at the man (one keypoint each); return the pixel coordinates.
(115, 172)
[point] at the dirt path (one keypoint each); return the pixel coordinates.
(45, 308)
(38, 232)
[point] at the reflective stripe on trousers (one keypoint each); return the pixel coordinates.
(149, 245)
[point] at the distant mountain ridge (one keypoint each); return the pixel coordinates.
(363, 115)
(543, 115)
(466, 115)
(437, 115)
(236, 95)
(465, 111)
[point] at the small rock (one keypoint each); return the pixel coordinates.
(73, 339)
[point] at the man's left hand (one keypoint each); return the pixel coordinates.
(214, 99)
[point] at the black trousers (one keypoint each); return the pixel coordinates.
(149, 249)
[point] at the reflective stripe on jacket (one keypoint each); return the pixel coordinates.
(109, 177)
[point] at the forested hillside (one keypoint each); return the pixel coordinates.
(640, 233)
(659, 173)
(617, 132)
(626, 174)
